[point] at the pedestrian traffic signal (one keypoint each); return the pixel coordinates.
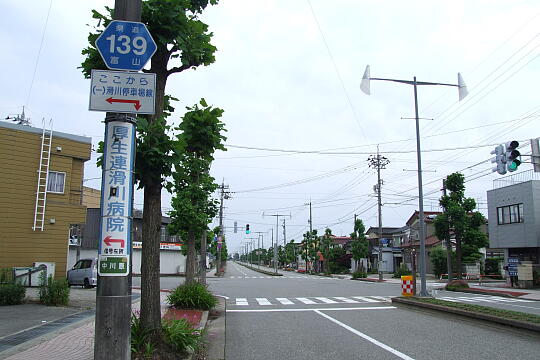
(512, 155)
(247, 229)
(499, 159)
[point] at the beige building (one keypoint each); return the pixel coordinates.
(40, 194)
(91, 197)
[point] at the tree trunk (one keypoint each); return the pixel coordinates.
(449, 259)
(202, 277)
(190, 259)
(150, 301)
(458, 255)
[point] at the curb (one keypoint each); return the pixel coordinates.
(215, 332)
(470, 314)
(261, 271)
(497, 293)
(368, 280)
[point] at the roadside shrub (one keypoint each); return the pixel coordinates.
(192, 296)
(181, 335)
(359, 274)
(12, 294)
(372, 271)
(456, 285)
(141, 345)
(6, 275)
(402, 271)
(492, 266)
(53, 291)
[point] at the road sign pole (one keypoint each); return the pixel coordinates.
(113, 296)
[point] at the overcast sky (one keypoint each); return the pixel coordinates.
(287, 74)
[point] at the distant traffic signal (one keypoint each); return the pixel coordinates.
(247, 229)
(499, 159)
(512, 155)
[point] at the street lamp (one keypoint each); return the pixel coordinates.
(462, 89)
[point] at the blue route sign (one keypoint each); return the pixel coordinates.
(126, 45)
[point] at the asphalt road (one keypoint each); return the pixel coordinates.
(308, 317)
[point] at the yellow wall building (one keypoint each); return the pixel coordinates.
(21, 243)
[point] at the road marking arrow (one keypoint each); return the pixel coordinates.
(108, 241)
(136, 103)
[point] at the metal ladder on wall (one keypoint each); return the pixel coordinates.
(43, 177)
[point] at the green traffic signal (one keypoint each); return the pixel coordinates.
(512, 155)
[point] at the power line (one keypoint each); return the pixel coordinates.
(336, 69)
(38, 54)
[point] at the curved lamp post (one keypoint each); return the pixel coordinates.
(462, 89)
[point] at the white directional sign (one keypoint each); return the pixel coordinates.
(122, 92)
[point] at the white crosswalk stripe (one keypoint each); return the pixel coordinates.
(365, 299)
(326, 300)
(241, 301)
(306, 300)
(263, 301)
(346, 300)
(316, 300)
(285, 301)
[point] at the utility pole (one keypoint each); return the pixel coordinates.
(379, 162)
(448, 245)
(223, 195)
(261, 245)
(284, 234)
(310, 221)
(113, 294)
(277, 216)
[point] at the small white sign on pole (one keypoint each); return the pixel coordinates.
(122, 92)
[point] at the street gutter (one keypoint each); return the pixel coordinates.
(470, 314)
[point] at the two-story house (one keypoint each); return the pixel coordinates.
(40, 190)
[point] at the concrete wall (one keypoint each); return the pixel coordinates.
(517, 235)
(171, 261)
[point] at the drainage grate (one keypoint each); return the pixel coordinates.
(26, 335)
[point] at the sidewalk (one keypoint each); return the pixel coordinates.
(73, 342)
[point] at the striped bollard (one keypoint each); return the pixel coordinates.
(407, 285)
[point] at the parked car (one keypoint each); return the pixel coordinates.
(83, 273)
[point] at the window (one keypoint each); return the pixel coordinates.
(510, 214)
(56, 182)
(163, 234)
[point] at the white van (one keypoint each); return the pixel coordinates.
(84, 273)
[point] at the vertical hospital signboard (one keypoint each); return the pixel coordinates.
(115, 232)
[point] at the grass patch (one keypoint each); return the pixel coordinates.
(506, 314)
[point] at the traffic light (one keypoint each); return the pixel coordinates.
(247, 229)
(512, 155)
(499, 159)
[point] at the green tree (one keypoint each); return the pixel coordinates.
(326, 248)
(460, 218)
(193, 206)
(359, 244)
(183, 42)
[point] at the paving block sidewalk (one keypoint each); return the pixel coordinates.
(76, 343)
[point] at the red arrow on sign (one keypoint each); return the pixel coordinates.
(108, 241)
(137, 103)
